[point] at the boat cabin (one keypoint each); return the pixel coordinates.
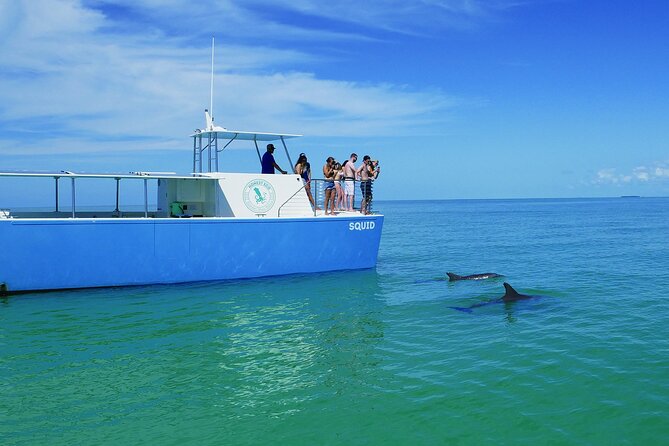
(204, 193)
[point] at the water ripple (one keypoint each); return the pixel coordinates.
(370, 357)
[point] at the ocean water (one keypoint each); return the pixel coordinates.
(370, 357)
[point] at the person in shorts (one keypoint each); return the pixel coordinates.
(349, 181)
(367, 173)
(328, 174)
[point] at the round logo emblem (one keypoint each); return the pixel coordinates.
(259, 196)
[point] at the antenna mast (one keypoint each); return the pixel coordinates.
(211, 97)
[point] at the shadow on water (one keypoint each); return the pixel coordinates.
(510, 301)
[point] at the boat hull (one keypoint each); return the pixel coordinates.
(47, 254)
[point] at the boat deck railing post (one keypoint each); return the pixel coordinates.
(73, 199)
(118, 194)
(56, 193)
(146, 198)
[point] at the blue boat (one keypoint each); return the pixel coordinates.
(207, 225)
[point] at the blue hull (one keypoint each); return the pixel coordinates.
(50, 254)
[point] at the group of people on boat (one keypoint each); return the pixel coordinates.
(339, 180)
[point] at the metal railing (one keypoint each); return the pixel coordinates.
(295, 203)
(361, 189)
(74, 209)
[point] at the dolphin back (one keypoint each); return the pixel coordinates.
(453, 277)
(511, 295)
(480, 276)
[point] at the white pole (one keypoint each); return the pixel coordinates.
(146, 199)
(211, 98)
(73, 198)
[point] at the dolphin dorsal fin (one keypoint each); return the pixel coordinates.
(509, 290)
(452, 276)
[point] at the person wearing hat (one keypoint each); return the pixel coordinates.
(268, 163)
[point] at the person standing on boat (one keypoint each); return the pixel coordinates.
(268, 163)
(303, 169)
(328, 174)
(339, 187)
(367, 174)
(349, 181)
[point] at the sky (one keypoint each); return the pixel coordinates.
(455, 98)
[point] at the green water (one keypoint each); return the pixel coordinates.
(370, 357)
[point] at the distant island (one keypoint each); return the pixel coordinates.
(630, 196)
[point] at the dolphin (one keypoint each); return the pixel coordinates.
(452, 277)
(510, 295)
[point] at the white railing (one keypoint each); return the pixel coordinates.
(341, 200)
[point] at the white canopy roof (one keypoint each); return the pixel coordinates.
(245, 136)
(221, 132)
(130, 175)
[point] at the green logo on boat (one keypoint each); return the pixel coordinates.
(259, 196)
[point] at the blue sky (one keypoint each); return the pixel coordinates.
(457, 99)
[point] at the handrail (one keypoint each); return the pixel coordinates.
(357, 193)
(75, 211)
(291, 197)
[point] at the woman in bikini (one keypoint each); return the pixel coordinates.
(338, 179)
(303, 169)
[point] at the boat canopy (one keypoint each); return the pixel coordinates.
(206, 140)
(116, 176)
(244, 136)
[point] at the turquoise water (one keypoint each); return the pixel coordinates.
(370, 357)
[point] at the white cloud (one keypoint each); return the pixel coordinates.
(607, 175)
(267, 18)
(72, 82)
(662, 172)
(640, 174)
(395, 15)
